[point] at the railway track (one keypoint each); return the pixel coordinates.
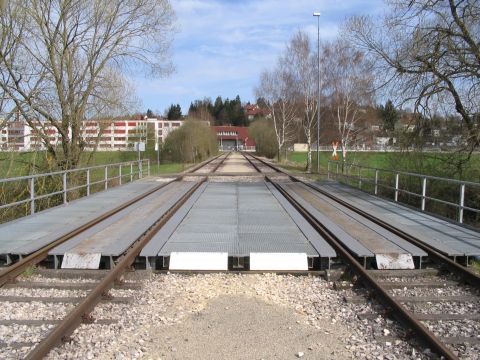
(74, 300)
(406, 294)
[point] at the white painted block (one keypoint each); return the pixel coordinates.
(278, 261)
(394, 261)
(81, 261)
(198, 261)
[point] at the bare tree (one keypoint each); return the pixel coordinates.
(301, 65)
(71, 58)
(11, 23)
(428, 53)
(348, 86)
(275, 88)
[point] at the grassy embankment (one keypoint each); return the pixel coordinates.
(428, 163)
(24, 163)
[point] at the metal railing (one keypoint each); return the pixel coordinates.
(361, 175)
(135, 170)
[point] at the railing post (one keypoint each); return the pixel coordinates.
(336, 176)
(88, 182)
(462, 203)
(376, 182)
(120, 174)
(139, 169)
(148, 167)
(359, 177)
(397, 180)
(32, 195)
(424, 192)
(131, 172)
(328, 170)
(65, 187)
(106, 177)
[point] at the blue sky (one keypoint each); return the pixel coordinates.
(222, 45)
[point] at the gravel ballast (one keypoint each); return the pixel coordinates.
(236, 316)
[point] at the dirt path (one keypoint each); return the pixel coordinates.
(241, 327)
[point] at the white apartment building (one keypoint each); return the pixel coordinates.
(118, 134)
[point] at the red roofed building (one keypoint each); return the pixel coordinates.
(252, 111)
(234, 138)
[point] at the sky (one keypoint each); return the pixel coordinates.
(221, 46)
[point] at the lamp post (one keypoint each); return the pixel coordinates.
(317, 14)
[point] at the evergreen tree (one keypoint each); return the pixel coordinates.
(217, 107)
(174, 112)
(389, 116)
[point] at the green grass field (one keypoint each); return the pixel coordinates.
(435, 164)
(24, 163)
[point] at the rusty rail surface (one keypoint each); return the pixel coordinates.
(200, 165)
(251, 163)
(215, 168)
(83, 310)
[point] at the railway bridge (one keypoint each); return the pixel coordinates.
(239, 213)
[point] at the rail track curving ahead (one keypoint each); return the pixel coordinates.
(400, 307)
(99, 291)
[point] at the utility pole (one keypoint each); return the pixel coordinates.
(317, 14)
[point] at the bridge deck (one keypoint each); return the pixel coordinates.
(362, 236)
(238, 219)
(450, 239)
(114, 235)
(26, 235)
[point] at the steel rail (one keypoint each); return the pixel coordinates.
(215, 168)
(251, 163)
(401, 313)
(8, 274)
(200, 165)
(436, 256)
(82, 311)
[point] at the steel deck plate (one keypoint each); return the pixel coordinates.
(161, 237)
(243, 228)
(353, 244)
(450, 239)
(26, 235)
(375, 238)
(114, 237)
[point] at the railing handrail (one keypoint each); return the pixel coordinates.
(33, 196)
(459, 205)
(60, 172)
(455, 181)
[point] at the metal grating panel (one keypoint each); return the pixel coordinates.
(204, 238)
(256, 222)
(272, 239)
(210, 228)
(267, 229)
(197, 247)
(451, 239)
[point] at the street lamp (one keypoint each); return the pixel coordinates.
(317, 14)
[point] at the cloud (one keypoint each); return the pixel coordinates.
(222, 46)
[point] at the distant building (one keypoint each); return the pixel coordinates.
(252, 111)
(104, 135)
(234, 138)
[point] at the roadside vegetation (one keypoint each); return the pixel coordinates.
(191, 143)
